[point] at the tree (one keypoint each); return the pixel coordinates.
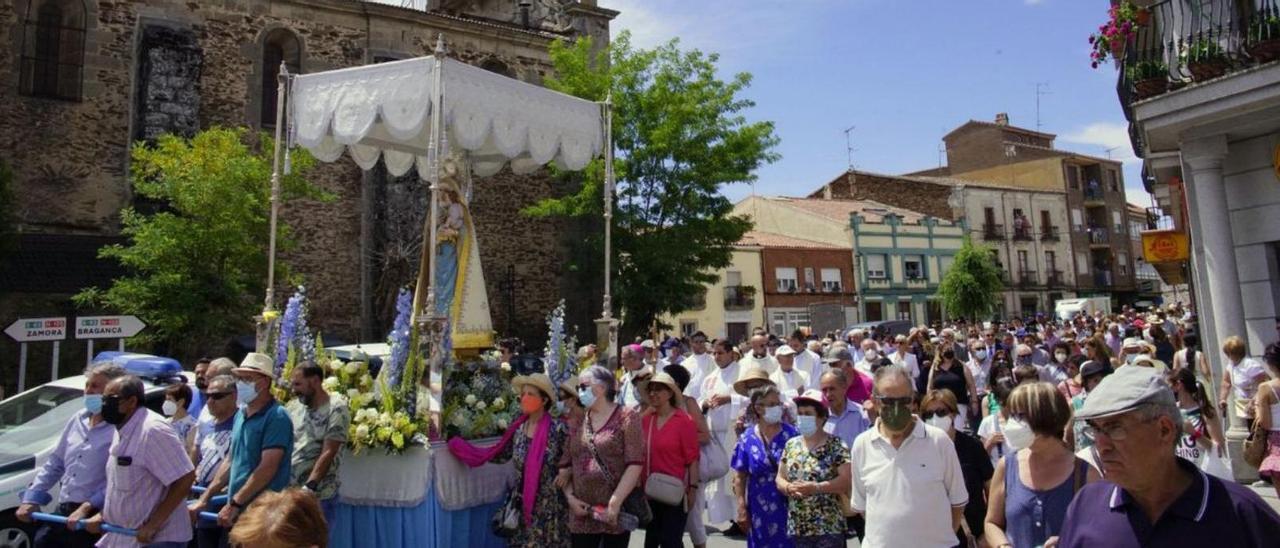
(680, 136)
(198, 268)
(971, 288)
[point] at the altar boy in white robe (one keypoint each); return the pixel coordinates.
(699, 364)
(722, 407)
(791, 381)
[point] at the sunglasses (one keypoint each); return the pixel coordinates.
(935, 413)
(218, 395)
(895, 401)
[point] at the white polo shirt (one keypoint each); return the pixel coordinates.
(907, 493)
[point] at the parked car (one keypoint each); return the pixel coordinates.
(32, 421)
(889, 328)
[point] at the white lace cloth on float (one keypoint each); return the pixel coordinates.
(459, 486)
(375, 478)
(385, 111)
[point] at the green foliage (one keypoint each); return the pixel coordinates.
(1203, 50)
(971, 288)
(680, 135)
(1144, 70)
(8, 206)
(197, 269)
(1264, 26)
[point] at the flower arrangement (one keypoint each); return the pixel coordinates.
(294, 342)
(478, 400)
(384, 412)
(1109, 41)
(560, 355)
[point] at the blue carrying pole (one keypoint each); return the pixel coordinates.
(106, 527)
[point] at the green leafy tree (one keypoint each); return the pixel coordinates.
(971, 288)
(197, 269)
(680, 136)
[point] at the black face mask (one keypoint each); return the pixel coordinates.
(202, 385)
(111, 410)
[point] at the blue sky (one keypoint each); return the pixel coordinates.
(904, 72)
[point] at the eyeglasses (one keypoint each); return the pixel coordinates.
(1114, 432)
(218, 395)
(894, 401)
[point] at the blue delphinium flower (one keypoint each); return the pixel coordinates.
(398, 339)
(292, 322)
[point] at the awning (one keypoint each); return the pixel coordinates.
(384, 111)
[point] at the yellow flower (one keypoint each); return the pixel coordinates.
(397, 440)
(269, 315)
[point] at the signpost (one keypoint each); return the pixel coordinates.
(26, 330)
(89, 328)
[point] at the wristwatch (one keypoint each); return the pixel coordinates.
(232, 502)
(311, 485)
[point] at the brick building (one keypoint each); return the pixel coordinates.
(83, 79)
(800, 276)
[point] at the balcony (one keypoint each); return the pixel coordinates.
(1028, 278)
(1094, 194)
(1049, 234)
(739, 297)
(1099, 237)
(1024, 234)
(1056, 279)
(991, 231)
(1102, 278)
(1186, 42)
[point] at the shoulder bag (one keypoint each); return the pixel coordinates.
(663, 488)
(1255, 446)
(634, 504)
(506, 521)
(713, 460)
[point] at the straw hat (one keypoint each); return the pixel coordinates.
(255, 362)
(665, 380)
(753, 374)
(537, 380)
(570, 387)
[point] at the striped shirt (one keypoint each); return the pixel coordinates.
(213, 446)
(79, 462)
(146, 457)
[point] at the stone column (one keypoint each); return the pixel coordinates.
(1204, 158)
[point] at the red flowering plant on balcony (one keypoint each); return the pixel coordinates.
(1109, 41)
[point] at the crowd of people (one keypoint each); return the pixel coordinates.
(268, 470)
(1099, 430)
(1018, 433)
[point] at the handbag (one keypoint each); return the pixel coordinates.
(506, 521)
(634, 504)
(713, 461)
(1255, 446)
(663, 488)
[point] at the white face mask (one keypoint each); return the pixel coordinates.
(1061, 356)
(169, 408)
(871, 355)
(1018, 435)
(773, 415)
(941, 421)
(980, 353)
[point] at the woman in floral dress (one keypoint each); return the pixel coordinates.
(762, 509)
(814, 471)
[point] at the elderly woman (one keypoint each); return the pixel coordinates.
(1241, 376)
(1035, 483)
(671, 441)
(813, 472)
(938, 408)
(605, 458)
(762, 509)
(535, 443)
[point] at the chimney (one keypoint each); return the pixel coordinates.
(1002, 119)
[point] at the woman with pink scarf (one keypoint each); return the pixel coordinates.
(535, 443)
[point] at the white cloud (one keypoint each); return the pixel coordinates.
(1106, 136)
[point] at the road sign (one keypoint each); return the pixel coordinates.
(108, 327)
(37, 329)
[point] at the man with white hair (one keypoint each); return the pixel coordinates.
(806, 358)
(854, 338)
(871, 357)
(1152, 497)
(758, 356)
(791, 380)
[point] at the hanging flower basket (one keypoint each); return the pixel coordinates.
(1151, 87)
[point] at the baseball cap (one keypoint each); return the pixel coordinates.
(837, 355)
(1126, 390)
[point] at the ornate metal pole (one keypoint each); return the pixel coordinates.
(607, 326)
(265, 320)
(426, 266)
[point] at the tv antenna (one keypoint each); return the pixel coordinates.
(1040, 92)
(1109, 151)
(848, 145)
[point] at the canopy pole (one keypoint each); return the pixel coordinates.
(607, 326)
(268, 305)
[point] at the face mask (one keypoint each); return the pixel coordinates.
(1060, 356)
(807, 424)
(895, 417)
(948, 355)
(773, 415)
(981, 354)
(1129, 358)
(587, 397)
(871, 355)
(246, 392)
(93, 403)
(1018, 435)
(942, 422)
(111, 411)
(530, 403)
(169, 408)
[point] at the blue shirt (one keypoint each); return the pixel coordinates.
(848, 426)
(1210, 512)
(197, 402)
(79, 461)
(269, 428)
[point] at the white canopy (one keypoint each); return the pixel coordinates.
(385, 111)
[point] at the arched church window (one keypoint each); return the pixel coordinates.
(279, 46)
(53, 49)
(496, 66)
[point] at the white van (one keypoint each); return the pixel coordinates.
(1068, 308)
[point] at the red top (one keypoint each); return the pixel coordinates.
(673, 446)
(860, 387)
